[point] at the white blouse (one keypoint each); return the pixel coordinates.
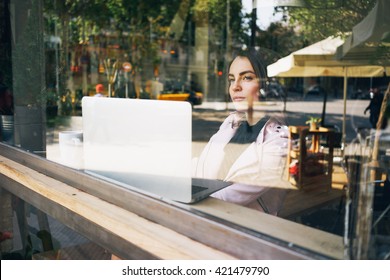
(257, 172)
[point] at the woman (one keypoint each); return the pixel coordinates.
(248, 150)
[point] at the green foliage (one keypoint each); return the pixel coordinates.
(52, 97)
(89, 17)
(278, 41)
(313, 120)
(215, 12)
(66, 104)
(324, 18)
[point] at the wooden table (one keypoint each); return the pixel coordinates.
(314, 166)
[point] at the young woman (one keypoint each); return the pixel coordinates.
(249, 149)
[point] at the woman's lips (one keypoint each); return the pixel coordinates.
(238, 99)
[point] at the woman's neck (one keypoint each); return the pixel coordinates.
(248, 116)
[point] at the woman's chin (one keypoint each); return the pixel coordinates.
(241, 106)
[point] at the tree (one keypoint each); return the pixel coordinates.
(279, 40)
(324, 18)
(77, 21)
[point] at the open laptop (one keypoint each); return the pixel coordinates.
(144, 145)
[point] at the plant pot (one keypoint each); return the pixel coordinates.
(313, 126)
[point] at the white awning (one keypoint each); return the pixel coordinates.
(372, 32)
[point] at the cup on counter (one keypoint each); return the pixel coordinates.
(71, 148)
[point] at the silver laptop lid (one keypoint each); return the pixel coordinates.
(143, 144)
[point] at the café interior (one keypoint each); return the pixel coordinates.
(54, 53)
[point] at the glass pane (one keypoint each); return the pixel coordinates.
(246, 120)
(28, 233)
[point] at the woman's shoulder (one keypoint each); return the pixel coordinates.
(229, 121)
(274, 129)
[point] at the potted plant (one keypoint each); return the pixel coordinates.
(313, 122)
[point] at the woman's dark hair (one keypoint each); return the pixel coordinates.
(257, 64)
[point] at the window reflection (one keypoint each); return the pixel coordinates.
(181, 51)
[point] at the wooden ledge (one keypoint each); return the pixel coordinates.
(123, 227)
(312, 239)
(134, 226)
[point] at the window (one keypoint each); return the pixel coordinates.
(55, 54)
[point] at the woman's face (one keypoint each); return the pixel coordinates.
(244, 85)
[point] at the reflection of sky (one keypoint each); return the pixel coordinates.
(264, 13)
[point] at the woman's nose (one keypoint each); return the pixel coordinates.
(236, 85)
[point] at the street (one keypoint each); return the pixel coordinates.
(208, 116)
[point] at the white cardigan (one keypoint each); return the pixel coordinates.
(257, 174)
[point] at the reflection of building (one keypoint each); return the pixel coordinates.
(190, 61)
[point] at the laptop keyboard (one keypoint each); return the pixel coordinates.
(196, 189)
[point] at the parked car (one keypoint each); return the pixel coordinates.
(315, 90)
(272, 90)
(195, 98)
(360, 94)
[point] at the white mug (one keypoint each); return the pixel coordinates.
(71, 148)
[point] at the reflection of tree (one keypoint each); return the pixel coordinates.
(141, 29)
(328, 17)
(79, 21)
(280, 40)
(216, 11)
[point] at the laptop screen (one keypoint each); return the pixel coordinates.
(142, 144)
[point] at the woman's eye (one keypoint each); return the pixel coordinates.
(247, 78)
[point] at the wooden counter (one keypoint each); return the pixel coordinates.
(283, 230)
(134, 226)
